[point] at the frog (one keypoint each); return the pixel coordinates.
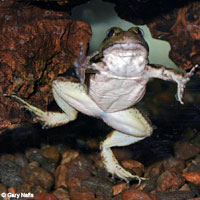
(108, 83)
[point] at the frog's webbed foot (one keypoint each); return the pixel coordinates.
(133, 128)
(182, 81)
(81, 64)
(47, 119)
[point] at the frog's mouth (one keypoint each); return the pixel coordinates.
(127, 49)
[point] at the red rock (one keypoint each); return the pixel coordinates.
(80, 193)
(119, 188)
(36, 44)
(134, 165)
(170, 180)
(137, 195)
(44, 196)
(193, 177)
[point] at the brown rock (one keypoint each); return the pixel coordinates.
(185, 150)
(154, 170)
(134, 165)
(68, 156)
(30, 187)
(37, 176)
(36, 46)
(136, 195)
(193, 177)
(51, 152)
(170, 180)
(77, 193)
(60, 176)
(181, 28)
(119, 188)
(61, 194)
(174, 163)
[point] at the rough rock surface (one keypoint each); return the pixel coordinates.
(36, 46)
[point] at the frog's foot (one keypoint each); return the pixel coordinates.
(182, 83)
(109, 160)
(47, 119)
(135, 127)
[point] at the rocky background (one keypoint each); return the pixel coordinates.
(40, 41)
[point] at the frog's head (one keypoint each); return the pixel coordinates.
(116, 35)
(124, 52)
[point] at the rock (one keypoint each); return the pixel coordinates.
(174, 163)
(48, 163)
(7, 157)
(36, 46)
(136, 195)
(60, 176)
(98, 186)
(52, 153)
(37, 176)
(77, 170)
(10, 173)
(30, 187)
(119, 188)
(134, 165)
(185, 150)
(77, 193)
(170, 180)
(68, 156)
(176, 195)
(20, 159)
(45, 196)
(193, 177)
(61, 194)
(154, 170)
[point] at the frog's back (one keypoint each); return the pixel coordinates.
(113, 95)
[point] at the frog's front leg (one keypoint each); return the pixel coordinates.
(81, 64)
(131, 127)
(160, 71)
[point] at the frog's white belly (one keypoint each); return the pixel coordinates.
(113, 95)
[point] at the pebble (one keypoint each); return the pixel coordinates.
(37, 176)
(119, 188)
(98, 185)
(174, 162)
(170, 180)
(45, 196)
(154, 170)
(61, 194)
(193, 177)
(68, 156)
(137, 195)
(185, 150)
(10, 173)
(77, 193)
(60, 176)
(20, 159)
(51, 152)
(134, 165)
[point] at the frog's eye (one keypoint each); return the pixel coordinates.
(140, 32)
(110, 33)
(113, 31)
(137, 31)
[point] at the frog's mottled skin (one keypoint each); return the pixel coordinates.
(119, 72)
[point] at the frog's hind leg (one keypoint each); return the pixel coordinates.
(48, 119)
(131, 127)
